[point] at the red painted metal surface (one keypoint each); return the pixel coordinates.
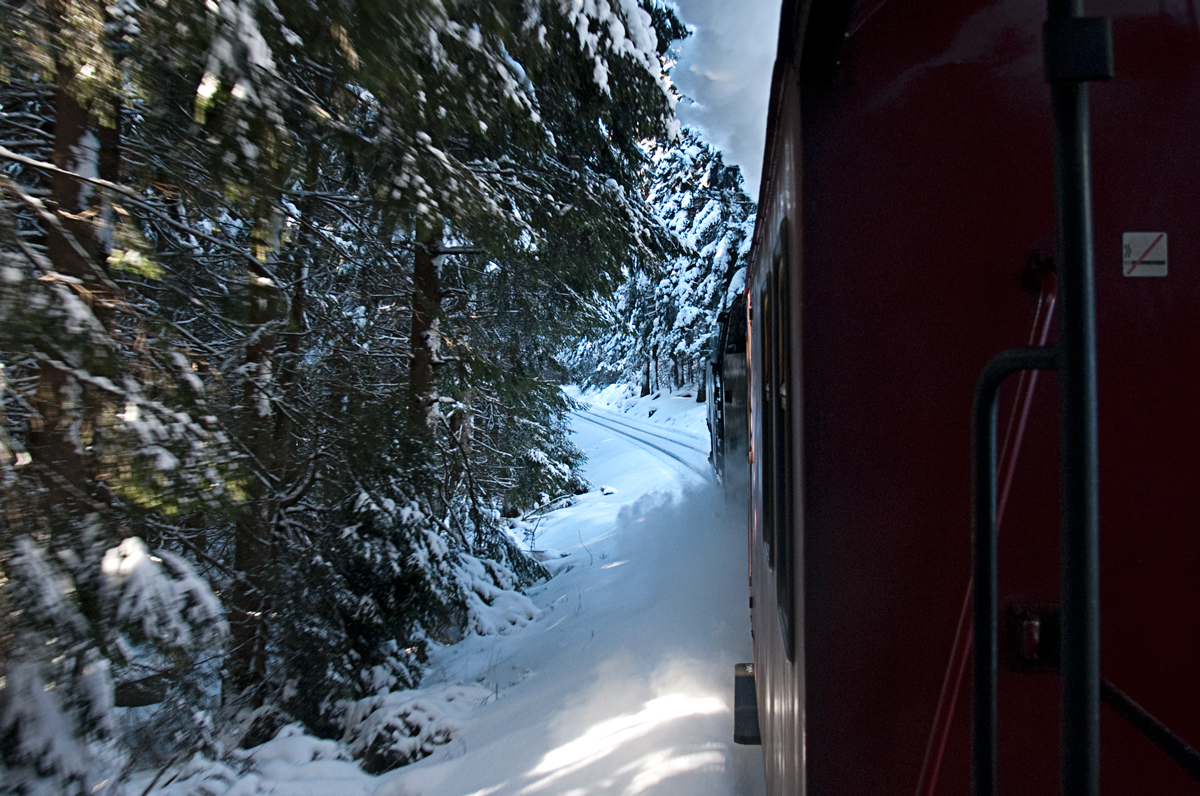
(918, 189)
(1010, 454)
(780, 682)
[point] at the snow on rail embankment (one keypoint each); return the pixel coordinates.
(618, 680)
(625, 679)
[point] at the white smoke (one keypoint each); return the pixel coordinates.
(724, 68)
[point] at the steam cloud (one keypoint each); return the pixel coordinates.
(724, 68)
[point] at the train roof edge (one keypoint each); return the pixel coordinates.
(811, 33)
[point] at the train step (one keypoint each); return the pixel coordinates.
(745, 706)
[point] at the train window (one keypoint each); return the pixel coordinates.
(766, 316)
(784, 459)
(778, 424)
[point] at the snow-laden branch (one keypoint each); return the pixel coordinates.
(255, 265)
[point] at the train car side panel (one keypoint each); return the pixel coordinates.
(1147, 180)
(922, 247)
(776, 554)
(928, 164)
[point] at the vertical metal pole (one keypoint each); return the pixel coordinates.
(1080, 710)
(984, 740)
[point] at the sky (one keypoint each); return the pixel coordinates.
(724, 73)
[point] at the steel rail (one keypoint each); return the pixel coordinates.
(627, 422)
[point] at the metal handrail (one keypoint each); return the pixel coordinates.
(1077, 50)
(983, 532)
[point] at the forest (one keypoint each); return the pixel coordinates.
(288, 292)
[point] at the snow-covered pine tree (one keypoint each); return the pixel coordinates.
(658, 328)
(307, 160)
(103, 423)
(213, 219)
(599, 91)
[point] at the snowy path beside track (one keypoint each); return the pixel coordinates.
(624, 684)
(616, 681)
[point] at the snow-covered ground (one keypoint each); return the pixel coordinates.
(621, 683)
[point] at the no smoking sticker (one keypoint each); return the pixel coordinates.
(1144, 254)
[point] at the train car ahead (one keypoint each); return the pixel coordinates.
(935, 610)
(726, 380)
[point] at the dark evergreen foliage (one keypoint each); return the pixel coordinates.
(282, 284)
(658, 328)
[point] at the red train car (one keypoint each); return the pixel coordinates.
(926, 205)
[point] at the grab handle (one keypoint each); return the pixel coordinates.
(983, 543)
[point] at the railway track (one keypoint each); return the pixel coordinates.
(640, 436)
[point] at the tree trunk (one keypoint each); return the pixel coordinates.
(68, 410)
(246, 664)
(646, 380)
(265, 433)
(79, 148)
(287, 465)
(425, 338)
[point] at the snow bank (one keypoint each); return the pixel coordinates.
(395, 729)
(492, 604)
